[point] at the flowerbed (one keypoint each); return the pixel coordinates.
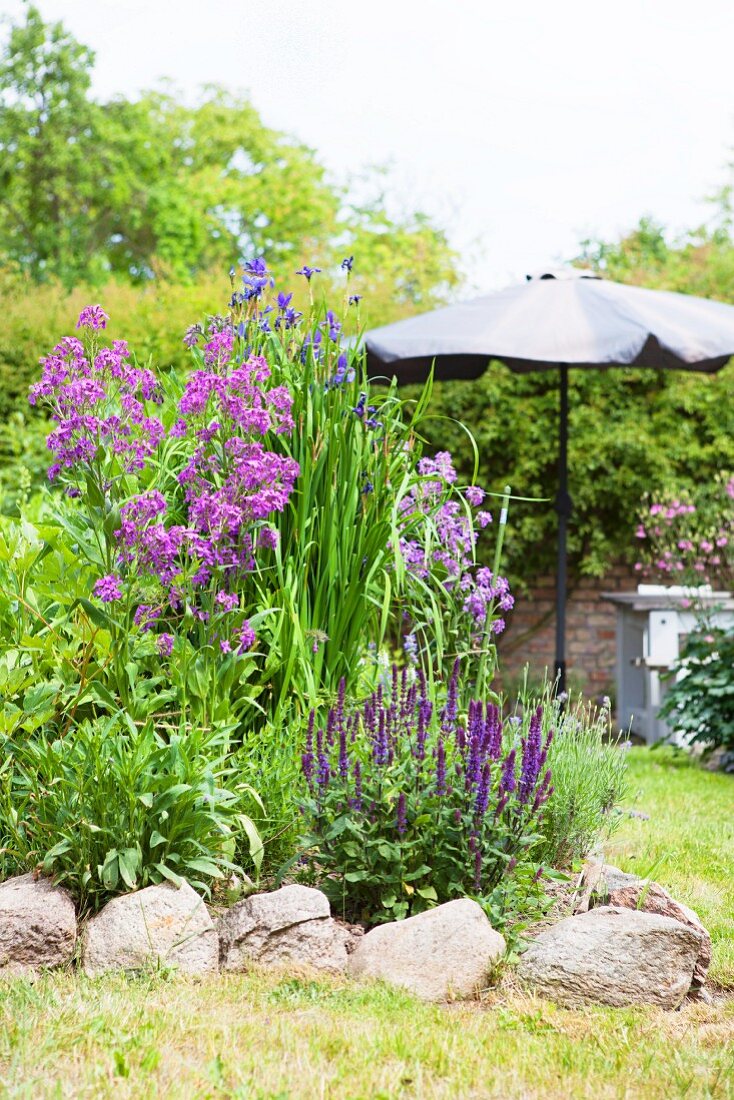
(198, 620)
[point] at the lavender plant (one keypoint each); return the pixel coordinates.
(410, 805)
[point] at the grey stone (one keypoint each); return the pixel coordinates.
(444, 953)
(613, 956)
(289, 925)
(160, 925)
(610, 886)
(37, 925)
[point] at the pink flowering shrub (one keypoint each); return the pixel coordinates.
(689, 541)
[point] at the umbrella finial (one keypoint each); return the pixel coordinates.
(562, 273)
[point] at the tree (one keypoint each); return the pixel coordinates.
(153, 186)
(48, 148)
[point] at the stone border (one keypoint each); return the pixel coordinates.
(606, 954)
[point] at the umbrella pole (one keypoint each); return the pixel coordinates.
(563, 509)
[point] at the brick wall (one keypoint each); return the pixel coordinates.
(590, 632)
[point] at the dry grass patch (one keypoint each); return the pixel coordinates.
(265, 1035)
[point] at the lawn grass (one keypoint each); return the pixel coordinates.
(269, 1035)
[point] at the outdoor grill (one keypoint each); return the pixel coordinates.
(652, 624)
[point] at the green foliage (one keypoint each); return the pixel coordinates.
(589, 768)
(271, 755)
(113, 806)
(631, 432)
(699, 703)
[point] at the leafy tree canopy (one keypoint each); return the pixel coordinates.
(91, 189)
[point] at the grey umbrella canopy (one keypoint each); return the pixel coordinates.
(554, 321)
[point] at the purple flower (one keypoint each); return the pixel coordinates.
(356, 800)
(307, 757)
(450, 711)
(323, 772)
(410, 648)
(343, 755)
(531, 757)
(191, 336)
(482, 799)
(347, 263)
(440, 767)
(475, 495)
(146, 615)
(507, 781)
(165, 644)
(478, 869)
(308, 272)
(246, 637)
(228, 601)
(401, 815)
(257, 267)
(355, 299)
(108, 588)
(92, 317)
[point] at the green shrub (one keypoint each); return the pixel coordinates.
(699, 704)
(113, 806)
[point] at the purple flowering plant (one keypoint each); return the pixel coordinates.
(411, 803)
(266, 516)
(362, 515)
(170, 492)
(450, 598)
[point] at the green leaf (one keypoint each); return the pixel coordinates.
(204, 866)
(128, 861)
(167, 873)
(427, 892)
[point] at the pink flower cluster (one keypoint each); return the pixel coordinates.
(217, 402)
(97, 402)
(190, 546)
(689, 542)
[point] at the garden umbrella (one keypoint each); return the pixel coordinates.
(554, 321)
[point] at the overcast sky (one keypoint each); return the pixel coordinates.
(521, 127)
